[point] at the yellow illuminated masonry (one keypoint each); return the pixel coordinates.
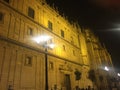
(42, 50)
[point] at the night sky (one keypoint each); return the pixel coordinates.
(101, 16)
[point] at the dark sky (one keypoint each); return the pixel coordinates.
(101, 16)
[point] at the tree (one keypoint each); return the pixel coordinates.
(78, 75)
(92, 75)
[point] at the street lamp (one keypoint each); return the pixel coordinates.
(106, 68)
(44, 41)
(118, 74)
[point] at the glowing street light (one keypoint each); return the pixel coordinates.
(52, 45)
(118, 74)
(44, 41)
(106, 68)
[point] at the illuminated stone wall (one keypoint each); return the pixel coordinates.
(22, 62)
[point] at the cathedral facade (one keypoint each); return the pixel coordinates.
(27, 60)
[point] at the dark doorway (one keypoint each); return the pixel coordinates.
(67, 82)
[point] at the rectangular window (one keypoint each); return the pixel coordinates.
(28, 61)
(50, 25)
(51, 65)
(73, 52)
(62, 33)
(64, 47)
(1, 17)
(31, 12)
(30, 31)
(7, 1)
(72, 41)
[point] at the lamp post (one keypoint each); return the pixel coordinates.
(51, 45)
(43, 41)
(110, 78)
(46, 69)
(107, 77)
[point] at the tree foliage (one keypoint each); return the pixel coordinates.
(78, 75)
(91, 75)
